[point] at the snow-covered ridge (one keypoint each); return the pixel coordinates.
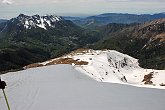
(62, 87)
(37, 21)
(112, 66)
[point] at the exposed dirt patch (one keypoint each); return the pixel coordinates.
(33, 65)
(58, 61)
(147, 78)
(162, 84)
(67, 61)
(62, 60)
(161, 37)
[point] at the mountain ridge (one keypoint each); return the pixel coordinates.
(37, 43)
(142, 41)
(109, 66)
(35, 21)
(124, 18)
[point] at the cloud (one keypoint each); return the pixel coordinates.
(8, 2)
(117, 0)
(72, 1)
(135, 0)
(79, 7)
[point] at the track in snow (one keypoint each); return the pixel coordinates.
(60, 87)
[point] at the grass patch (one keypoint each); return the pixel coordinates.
(67, 61)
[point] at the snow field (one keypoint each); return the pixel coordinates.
(61, 87)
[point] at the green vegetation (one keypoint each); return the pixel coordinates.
(20, 47)
(36, 45)
(139, 41)
(92, 22)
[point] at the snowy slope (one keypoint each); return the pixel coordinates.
(61, 87)
(29, 22)
(115, 67)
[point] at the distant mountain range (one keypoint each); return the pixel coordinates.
(23, 22)
(28, 39)
(124, 18)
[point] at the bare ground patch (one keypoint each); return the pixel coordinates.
(33, 65)
(162, 84)
(67, 61)
(147, 78)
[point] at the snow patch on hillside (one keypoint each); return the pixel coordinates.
(114, 67)
(38, 21)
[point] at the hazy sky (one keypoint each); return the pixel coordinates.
(12, 8)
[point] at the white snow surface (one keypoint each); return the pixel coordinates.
(39, 21)
(114, 67)
(61, 87)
